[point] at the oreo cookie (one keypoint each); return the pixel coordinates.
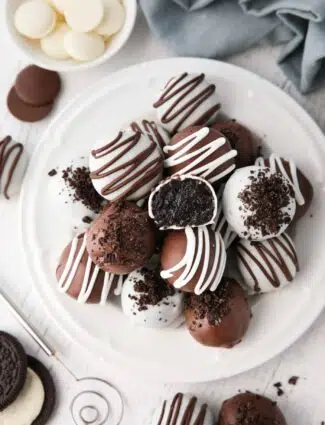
(49, 390)
(13, 369)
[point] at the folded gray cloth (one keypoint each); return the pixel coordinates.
(218, 28)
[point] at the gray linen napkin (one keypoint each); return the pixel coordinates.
(218, 28)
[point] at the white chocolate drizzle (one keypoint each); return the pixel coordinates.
(90, 276)
(222, 226)
(277, 164)
(187, 149)
(200, 248)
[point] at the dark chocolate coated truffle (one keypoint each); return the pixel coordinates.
(200, 151)
(193, 260)
(81, 279)
(241, 139)
(250, 409)
(221, 318)
(122, 238)
(302, 187)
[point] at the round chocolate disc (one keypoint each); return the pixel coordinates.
(24, 112)
(37, 86)
(13, 369)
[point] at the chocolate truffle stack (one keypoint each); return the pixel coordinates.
(182, 195)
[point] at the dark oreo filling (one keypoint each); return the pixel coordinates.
(182, 203)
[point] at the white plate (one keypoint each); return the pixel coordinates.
(172, 355)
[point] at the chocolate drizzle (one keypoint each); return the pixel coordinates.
(268, 255)
(9, 153)
(182, 106)
(151, 130)
(133, 174)
(174, 414)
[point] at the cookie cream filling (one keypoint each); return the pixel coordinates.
(28, 405)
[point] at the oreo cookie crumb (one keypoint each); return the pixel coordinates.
(278, 386)
(266, 197)
(52, 173)
(152, 290)
(211, 305)
(86, 219)
(293, 380)
(78, 182)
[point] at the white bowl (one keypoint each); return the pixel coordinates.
(34, 53)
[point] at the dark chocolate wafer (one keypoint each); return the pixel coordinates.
(13, 369)
(37, 86)
(24, 112)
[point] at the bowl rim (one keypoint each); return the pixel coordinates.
(65, 66)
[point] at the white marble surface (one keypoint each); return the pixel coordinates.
(302, 404)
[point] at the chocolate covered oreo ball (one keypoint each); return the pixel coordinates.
(249, 408)
(302, 187)
(200, 151)
(193, 260)
(240, 139)
(183, 201)
(126, 167)
(188, 99)
(149, 301)
(258, 203)
(267, 265)
(183, 409)
(122, 238)
(218, 319)
(80, 278)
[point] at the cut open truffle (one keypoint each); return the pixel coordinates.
(183, 201)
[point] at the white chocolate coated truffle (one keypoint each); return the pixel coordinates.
(268, 265)
(83, 47)
(181, 408)
(13, 165)
(53, 44)
(188, 99)
(255, 216)
(35, 19)
(28, 405)
(125, 167)
(113, 20)
(165, 313)
(83, 15)
(154, 131)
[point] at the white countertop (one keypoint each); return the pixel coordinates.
(302, 404)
